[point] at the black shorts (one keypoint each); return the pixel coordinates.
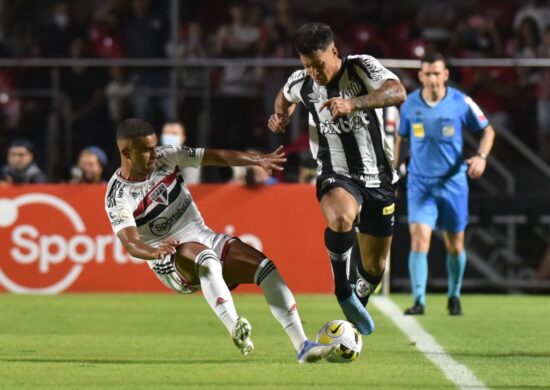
(376, 205)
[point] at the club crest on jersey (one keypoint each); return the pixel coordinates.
(351, 90)
(160, 195)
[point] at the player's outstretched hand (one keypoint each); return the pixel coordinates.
(273, 160)
(476, 166)
(278, 122)
(338, 107)
(165, 248)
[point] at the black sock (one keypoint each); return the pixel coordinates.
(372, 282)
(339, 247)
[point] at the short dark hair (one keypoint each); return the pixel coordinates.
(312, 37)
(133, 128)
(433, 56)
(23, 143)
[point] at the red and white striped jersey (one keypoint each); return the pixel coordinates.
(160, 206)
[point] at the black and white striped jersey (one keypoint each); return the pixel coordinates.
(355, 145)
(160, 206)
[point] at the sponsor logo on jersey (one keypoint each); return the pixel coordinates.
(356, 121)
(162, 225)
(388, 209)
(160, 195)
(418, 130)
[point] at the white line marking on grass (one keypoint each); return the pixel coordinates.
(456, 372)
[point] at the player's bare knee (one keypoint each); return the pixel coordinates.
(340, 222)
(455, 249)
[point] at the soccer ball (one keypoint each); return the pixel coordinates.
(343, 333)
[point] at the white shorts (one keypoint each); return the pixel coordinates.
(166, 271)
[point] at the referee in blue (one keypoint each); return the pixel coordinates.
(432, 120)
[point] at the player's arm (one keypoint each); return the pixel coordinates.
(478, 162)
(268, 162)
(130, 239)
(279, 121)
(390, 93)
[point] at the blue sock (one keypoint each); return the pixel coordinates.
(418, 271)
(455, 272)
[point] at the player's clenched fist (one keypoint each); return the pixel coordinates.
(278, 122)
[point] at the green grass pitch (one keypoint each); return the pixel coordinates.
(169, 341)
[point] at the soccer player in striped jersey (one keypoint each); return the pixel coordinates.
(355, 183)
(154, 216)
(432, 120)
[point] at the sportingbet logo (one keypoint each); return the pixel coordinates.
(49, 243)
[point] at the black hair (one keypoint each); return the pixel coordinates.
(433, 56)
(133, 128)
(312, 37)
(23, 143)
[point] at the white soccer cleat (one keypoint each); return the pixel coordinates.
(312, 352)
(241, 336)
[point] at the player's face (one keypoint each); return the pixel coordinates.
(143, 155)
(433, 77)
(322, 65)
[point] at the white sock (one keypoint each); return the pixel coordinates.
(215, 289)
(281, 302)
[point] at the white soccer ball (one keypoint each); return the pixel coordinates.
(343, 333)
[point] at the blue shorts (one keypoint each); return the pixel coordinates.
(441, 203)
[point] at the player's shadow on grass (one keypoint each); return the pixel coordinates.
(126, 361)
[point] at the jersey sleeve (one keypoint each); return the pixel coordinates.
(291, 90)
(474, 118)
(372, 72)
(119, 212)
(404, 124)
(181, 156)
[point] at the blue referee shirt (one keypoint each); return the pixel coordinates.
(435, 133)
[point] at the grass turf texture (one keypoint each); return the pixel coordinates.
(163, 341)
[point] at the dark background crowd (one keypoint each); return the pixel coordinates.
(93, 99)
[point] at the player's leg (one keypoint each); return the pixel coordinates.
(418, 265)
(244, 264)
(456, 264)
(375, 227)
(340, 209)
(422, 214)
(453, 206)
(197, 263)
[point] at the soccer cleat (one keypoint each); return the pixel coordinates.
(241, 336)
(453, 304)
(357, 314)
(312, 352)
(416, 310)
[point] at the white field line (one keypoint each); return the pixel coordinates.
(456, 372)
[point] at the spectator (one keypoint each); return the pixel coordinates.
(21, 168)
(145, 36)
(91, 164)
(61, 31)
(119, 93)
(173, 133)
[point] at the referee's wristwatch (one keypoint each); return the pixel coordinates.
(482, 155)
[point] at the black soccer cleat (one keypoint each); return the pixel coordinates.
(416, 310)
(453, 304)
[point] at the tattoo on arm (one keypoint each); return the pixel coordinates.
(391, 93)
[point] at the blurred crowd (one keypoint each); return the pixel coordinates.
(94, 99)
